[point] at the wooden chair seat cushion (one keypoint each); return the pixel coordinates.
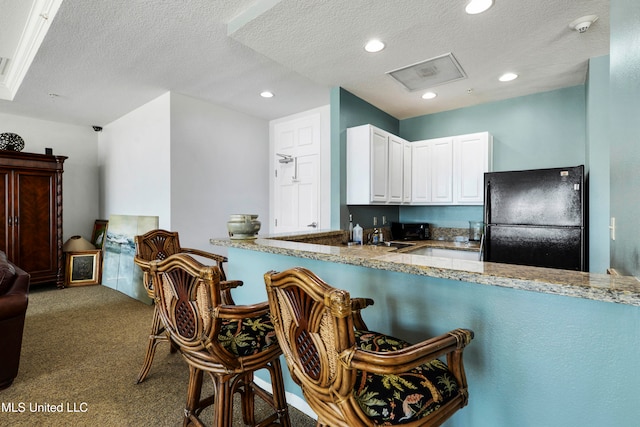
(249, 336)
(401, 398)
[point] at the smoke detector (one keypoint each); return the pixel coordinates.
(582, 24)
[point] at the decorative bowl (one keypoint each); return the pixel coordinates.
(11, 142)
(243, 226)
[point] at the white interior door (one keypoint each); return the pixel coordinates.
(297, 187)
(297, 190)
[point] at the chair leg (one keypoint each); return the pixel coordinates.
(223, 406)
(193, 396)
(154, 338)
(247, 399)
(279, 398)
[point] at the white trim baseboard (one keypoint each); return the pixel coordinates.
(292, 399)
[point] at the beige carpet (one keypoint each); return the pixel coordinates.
(81, 352)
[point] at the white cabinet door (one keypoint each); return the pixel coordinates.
(379, 165)
(396, 175)
(472, 154)
(432, 169)
(420, 172)
(442, 170)
(406, 172)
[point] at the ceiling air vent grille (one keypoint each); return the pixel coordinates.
(432, 72)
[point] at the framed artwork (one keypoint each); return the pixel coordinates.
(99, 233)
(119, 270)
(83, 268)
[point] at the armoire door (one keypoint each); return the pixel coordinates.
(34, 223)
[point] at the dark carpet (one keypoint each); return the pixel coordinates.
(81, 353)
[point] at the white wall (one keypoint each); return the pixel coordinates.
(219, 166)
(80, 178)
(188, 162)
(134, 153)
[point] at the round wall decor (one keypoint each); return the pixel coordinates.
(11, 142)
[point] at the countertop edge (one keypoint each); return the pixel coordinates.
(491, 274)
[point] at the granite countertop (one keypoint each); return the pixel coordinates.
(599, 287)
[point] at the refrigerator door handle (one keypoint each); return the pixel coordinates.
(487, 204)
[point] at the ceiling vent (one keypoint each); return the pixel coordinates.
(432, 72)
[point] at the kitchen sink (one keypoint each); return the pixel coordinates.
(399, 245)
(447, 253)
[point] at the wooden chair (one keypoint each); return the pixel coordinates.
(228, 342)
(351, 376)
(159, 245)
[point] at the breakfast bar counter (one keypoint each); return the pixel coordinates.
(551, 347)
(600, 287)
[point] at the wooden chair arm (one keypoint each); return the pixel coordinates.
(394, 362)
(357, 305)
(230, 284)
(225, 291)
(241, 311)
(360, 303)
(209, 255)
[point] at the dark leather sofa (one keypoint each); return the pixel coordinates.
(14, 297)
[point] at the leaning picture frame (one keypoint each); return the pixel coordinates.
(99, 233)
(83, 268)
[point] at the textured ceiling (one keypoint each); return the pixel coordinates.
(104, 59)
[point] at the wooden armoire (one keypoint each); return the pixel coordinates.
(31, 214)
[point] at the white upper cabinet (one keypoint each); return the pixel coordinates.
(384, 168)
(407, 168)
(375, 167)
(432, 166)
(442, 170)
(450, 171)
(379, 169)
(472, 158)
(396, 167)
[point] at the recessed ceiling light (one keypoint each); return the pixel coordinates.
(429, 95)
(374, 46)
(507, 77)
(266, 94)
(478, 6)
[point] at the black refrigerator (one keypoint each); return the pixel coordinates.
(536, 217)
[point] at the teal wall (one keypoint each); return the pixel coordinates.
(598, 138)
(543, 130)
(625, 134)
(536, 360)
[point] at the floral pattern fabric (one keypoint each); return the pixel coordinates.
(405, 397)
(250, 336)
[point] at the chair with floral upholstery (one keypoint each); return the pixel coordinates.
(229, 342)
(158, 245)
(351, 376)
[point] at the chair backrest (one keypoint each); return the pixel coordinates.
(157, 245)
(152, 246)
(187, 294)
(314, 326)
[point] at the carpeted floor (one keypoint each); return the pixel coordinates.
(81, 352)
